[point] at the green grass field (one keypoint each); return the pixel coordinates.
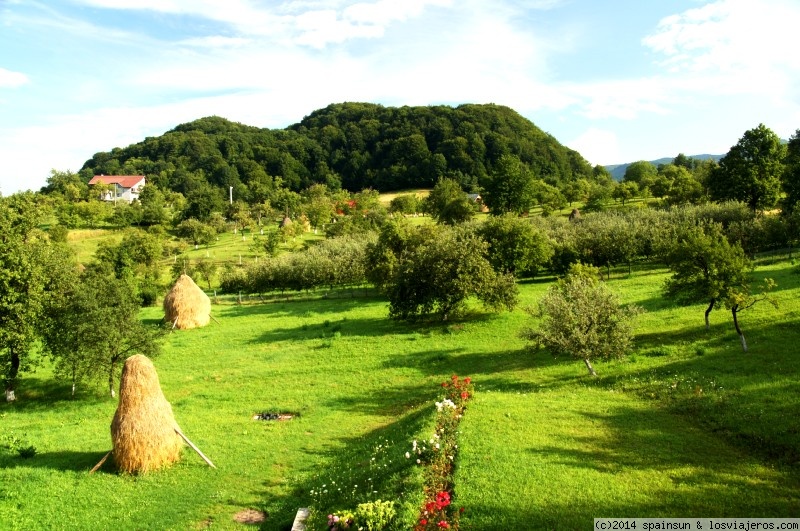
(686, 426)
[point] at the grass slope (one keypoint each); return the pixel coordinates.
(686, 426)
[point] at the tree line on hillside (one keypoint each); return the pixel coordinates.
(368, 242)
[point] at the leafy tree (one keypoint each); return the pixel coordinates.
(268, 243)
(206, 269)
(511, 188)
(549, 198)
(197, 232)
(751, 171)
(682, 160)
(515, 245)
(202, 201)
(67, 184)
(405, 204)
(319, 210)
(96, 325)
(791, 175)
(447, 203)
(438, 269)
(641, 172)
(33, 272)
(599, 196)
(126, 214)
(154, 205)
(583, 318)
(660, 186)
(685, 188)
(625, 191)
(706, 267)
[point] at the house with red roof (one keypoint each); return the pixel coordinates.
(124, 187)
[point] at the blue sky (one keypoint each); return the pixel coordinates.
(617, 80)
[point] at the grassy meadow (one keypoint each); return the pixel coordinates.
(686, 426)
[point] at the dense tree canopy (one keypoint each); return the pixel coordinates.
(435, 269)
(32, 272)
(349, 145)
(751, 171)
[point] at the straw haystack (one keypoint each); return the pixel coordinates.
(144, 433)
(186, 305)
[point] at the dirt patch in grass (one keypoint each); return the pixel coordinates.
(250, 516)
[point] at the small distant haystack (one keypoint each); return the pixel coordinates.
(143, 432)
(186, 305)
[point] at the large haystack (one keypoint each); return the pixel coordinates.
(186, 305)
(143, 432)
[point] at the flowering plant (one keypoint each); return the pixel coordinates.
(438, 455)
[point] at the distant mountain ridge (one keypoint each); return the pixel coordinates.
(617, 171)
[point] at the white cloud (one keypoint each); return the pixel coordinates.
(10, 79)
(598, 146)
(731, 36)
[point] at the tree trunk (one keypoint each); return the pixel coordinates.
(708, 310)
(12, 375)
(589, 366)
(735, 311)
(111, 381)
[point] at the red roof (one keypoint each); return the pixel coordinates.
(125, 181)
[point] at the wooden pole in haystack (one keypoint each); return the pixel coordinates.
(144, 434)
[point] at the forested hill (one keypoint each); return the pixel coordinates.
(352, 145)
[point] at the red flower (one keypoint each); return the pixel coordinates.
(442, 500)
(444, 384)
(443, 524)
(464, 395)
(454, 377)
(430, 507)
(467, 380)
(423, 522)
(461, 510)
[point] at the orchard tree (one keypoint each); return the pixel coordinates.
(33, 271)
(448, 203)
(95, 327)
(515, 245)
(751, 171)
(625, 191)
(404, 204)
(511, 188)
(435, 269)
(582, 318)
(195, 231)
(707, 268)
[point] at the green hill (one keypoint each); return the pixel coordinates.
(352, 145)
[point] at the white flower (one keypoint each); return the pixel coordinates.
(408, 455)
(418, 461)
(437, 446)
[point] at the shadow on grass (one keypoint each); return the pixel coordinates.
(36, 394)
(64, 461)
(751, 399)
(365, 468)
(366, 327)
(297, 307)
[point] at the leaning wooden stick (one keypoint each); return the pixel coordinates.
(195, 448)
(98, 465)
(212, 317)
